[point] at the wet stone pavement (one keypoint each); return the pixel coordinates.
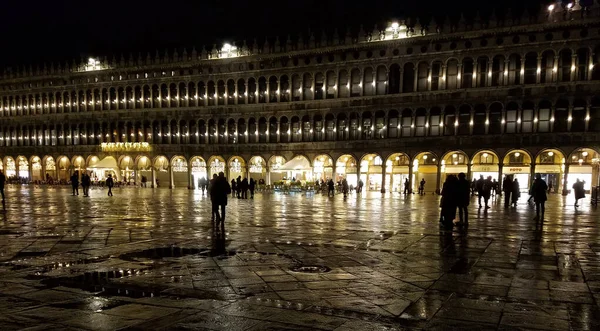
(151, 260)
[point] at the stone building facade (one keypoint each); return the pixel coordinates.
(489, 97)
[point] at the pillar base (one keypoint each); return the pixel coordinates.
(382, 190)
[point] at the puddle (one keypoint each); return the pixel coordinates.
(310, 269)
(174, 251)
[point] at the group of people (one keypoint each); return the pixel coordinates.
(86, 182)
(456, 194)
(240, 187)
(420, 188)
(344, 187)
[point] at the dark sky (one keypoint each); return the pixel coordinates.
(42, 31)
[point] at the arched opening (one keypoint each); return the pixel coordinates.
(346, 167)
(371, 167)
(199, 173)
(452, 75)
(323, 167)
(547, 70)
(274, 166)
(394, 79)
(583, 166)
(550, 164)
(517, 166)
(284, 130)
(468, 69)
(100, 169)
(50, 174)
(565, 65)
(578, 116)
(464, 120)
(530, 70)
(561, 116)
(453, 163)
(216, 164)
(237, 168)
(179, 168)
(144, 170)
(257, 169)
(497, 70)
(421, 123)
(396, 172)
(161, 167)
(485, 163)
(425, 167)
(36, 169)
(297, 170)
(344, 84)
(408, 78)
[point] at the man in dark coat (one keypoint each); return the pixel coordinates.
(463, 196)
(449, 202)
(507, 188)
(86, 181)
(110, 182)
(2, 182)
(75, 182)
(252, 187)
(538, 191)
(218, 195)
(479, 187)
(579, 191)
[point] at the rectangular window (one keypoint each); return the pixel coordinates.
(527, 120)
(406, 122)
(511, 121)
(544, 120)
(434, 125)
(420, 126)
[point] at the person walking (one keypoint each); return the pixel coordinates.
(487, 191)
(218, 194)
(330, 188)
(422, 186)
(479, 187)
(359, 186)
(516, 192)
(233, 188)
(110, 183)
(463, 196)
(75, 182)
(538, 191)
(507, 188)
(449, 202)
(86, 181)
(579, 191)
(244, 188)
(238, 187)
(345, 187)
(2, 182)
(252, 187)
(144, 181)
(406, 185)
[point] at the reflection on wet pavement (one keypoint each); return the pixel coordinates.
(151, 259)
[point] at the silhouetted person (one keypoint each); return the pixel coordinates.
(2, 182)
(538, 191)
(144, 181)
(110, 183)
(330, 188)
(422, 186)
(550, 185)
(218, 194)
(233, 188)
(579, 191)
(244, 188)
(487, 191)
(479, 187)
(211, 183)
(463, 197)
(75, 182)
(359, 186)
(238, 186)
(507, 188)
(86, 181)
(449, 202)
(345, 187)
(516, 192)
(406, 185)
(495, 187)
(252, 187)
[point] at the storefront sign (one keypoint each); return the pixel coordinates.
(484, 168)
(516, 170)
(126, 147)
(547, 169)
(577, 169)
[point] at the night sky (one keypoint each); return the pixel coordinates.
(43, 31)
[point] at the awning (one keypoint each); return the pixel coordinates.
(107, 162)
(297, 163)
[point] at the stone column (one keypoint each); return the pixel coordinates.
(191, 183)
(573, 67)
(278, 132)
(531, 174)
(565, 190)
(438, 181)
(383, 166)
(469, 171)
(401, 75)
(500, 165)
(267, 94)
(538, 73)
(171, 184)
(246, 92)
(153, 182)
(410, 178)
(587, 115)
